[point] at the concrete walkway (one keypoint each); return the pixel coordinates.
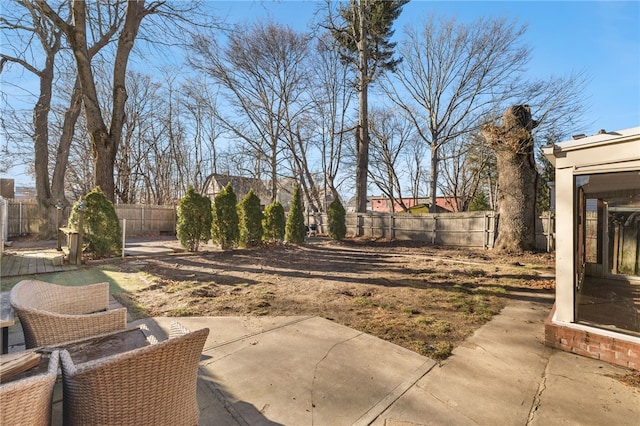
(311, 371)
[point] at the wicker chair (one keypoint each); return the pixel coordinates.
(28, 401)
(152, 385)
(52, 314)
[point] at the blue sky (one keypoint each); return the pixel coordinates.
(599, 37)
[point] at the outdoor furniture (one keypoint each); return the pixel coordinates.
(27, 400)
(7, 319)
(152, 385)
(52, 314)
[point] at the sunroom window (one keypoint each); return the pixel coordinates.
(607, 269)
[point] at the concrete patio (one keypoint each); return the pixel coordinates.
(311, 371)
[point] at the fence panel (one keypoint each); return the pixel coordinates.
(468, 229)
(462, 229)
(545, 231)
(147, 220)
(23, 218)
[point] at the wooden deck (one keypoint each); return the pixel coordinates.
(31, 262)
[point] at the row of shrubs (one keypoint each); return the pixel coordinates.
(231, 224)
(227, 223)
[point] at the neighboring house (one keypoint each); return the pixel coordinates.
(215, 183)
(383, 205)
(597, 204)
(285, 191)
(241, 185)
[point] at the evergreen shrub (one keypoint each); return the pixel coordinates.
(273, 223)
(224, 226)
(295, 227)
(250, 220)
(101, 227)
(194, 220)
(336, 216)
(479, 202)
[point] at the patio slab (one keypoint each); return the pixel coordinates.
(299, 371)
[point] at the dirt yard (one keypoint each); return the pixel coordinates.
(424, 298)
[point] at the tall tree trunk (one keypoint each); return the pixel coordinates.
(433, 183)
(104, 141)
(62, 154)
(41, 143)
(362, 139)
(513, 145)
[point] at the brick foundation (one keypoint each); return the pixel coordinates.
(590, 344)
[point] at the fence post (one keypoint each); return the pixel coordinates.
(434, 230)
(124, 235)
(392, 226)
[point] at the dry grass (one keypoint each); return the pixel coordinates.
(423, 298)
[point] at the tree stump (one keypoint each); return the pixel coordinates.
(513, 145)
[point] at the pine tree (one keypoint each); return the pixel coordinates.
(364, 37)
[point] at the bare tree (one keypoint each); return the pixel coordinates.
(143, 109)
(391, 133)
(50, 192)
(106, 132)
(260, 73)
(34, 25)
(200, 100)
(451, 75)
(415, 156)
(468, 167)
(331, 97)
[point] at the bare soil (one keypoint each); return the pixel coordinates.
(424, 298)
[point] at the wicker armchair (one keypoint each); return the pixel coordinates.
(52, 314)
(28, 401)
(152, 385)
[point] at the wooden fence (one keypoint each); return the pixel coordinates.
(467, 229)
(148, 220)
(141, 220)
(463, 229)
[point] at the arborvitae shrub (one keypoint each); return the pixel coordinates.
(273, 223)
(295, 228)
(194, 220)
(336, 218)
(224, 227)
(250, 220)
(101, 226)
